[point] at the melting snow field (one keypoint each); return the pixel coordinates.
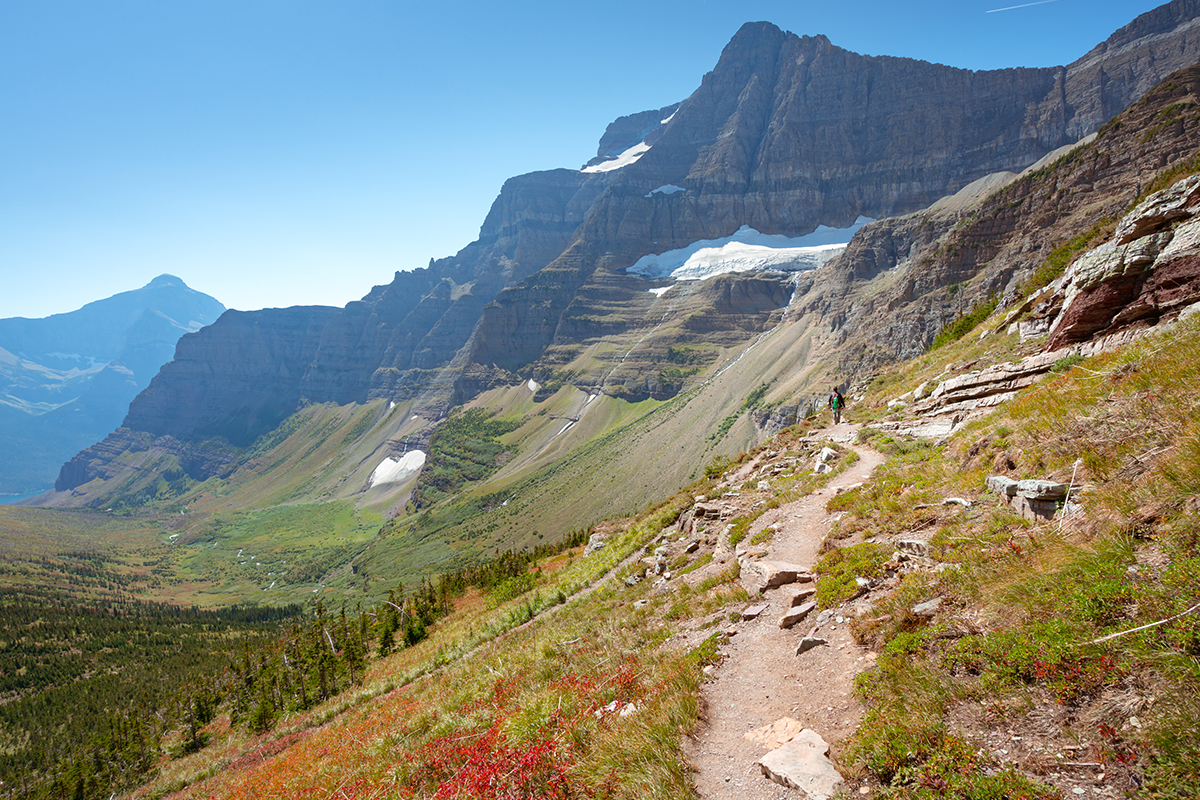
(624, 160)
(748, 250)
(393, 470)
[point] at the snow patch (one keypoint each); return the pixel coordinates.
(391, 405)
(395, 470)
(669, 189)
(623, 160)
(660, 291)
(533, 385)
(668, 119)
(748, 250)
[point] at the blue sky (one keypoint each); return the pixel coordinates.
(283, 153)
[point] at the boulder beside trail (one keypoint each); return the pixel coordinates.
(775, 735)
(1033, 499)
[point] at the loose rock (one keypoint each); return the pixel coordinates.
(928, 608)
(753, 612)
(809, 642)
(596, 541)
(796, 614)
(777, 734)
(800, 594)
(803, 763)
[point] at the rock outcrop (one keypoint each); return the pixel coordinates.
(1146, 274)
(802, 763)
(1148, 271)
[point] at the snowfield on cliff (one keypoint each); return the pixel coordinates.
(748, 250)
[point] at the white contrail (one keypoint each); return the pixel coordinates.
(1023, 5)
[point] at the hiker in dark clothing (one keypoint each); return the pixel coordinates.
(837, 403)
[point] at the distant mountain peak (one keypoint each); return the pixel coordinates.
(73, 374)
(166, 279)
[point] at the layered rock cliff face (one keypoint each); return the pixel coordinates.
(786, 133)
(629, 131)
(901, 280)
(1119, 70)
(1147, 272)
(790, 132)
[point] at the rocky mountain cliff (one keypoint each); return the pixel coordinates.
(903, 279)
(789, 132)
(67, 380)
(786, 133)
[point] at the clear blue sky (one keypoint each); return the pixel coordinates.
(292, 152)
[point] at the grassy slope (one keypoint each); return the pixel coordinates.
(618, 458)
(1015, 645)
(1008, 651)
(1009, 646)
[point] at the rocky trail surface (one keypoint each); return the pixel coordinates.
(761, 680)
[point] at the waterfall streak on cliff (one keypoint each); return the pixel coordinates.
(757, 339)
(649, 333)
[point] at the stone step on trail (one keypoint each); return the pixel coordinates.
(803, 763)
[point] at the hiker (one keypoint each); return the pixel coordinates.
(837, 403)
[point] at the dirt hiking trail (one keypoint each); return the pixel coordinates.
(761, 680)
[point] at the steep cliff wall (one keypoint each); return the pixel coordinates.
(901, 280)
(789, 132)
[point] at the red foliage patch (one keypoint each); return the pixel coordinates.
(268, 750)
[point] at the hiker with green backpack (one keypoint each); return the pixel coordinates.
(837, 403)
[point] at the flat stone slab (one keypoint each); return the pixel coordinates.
(798, 595)
(1041, 490)
(803, 764)
(796, 614)
(928, 608)
(780, 573)
(759, 576)
(777, 734)
(1002, 485)
(754, 611)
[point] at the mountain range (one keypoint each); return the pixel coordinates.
(787, 133)
(551, 470)
(578, 315)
